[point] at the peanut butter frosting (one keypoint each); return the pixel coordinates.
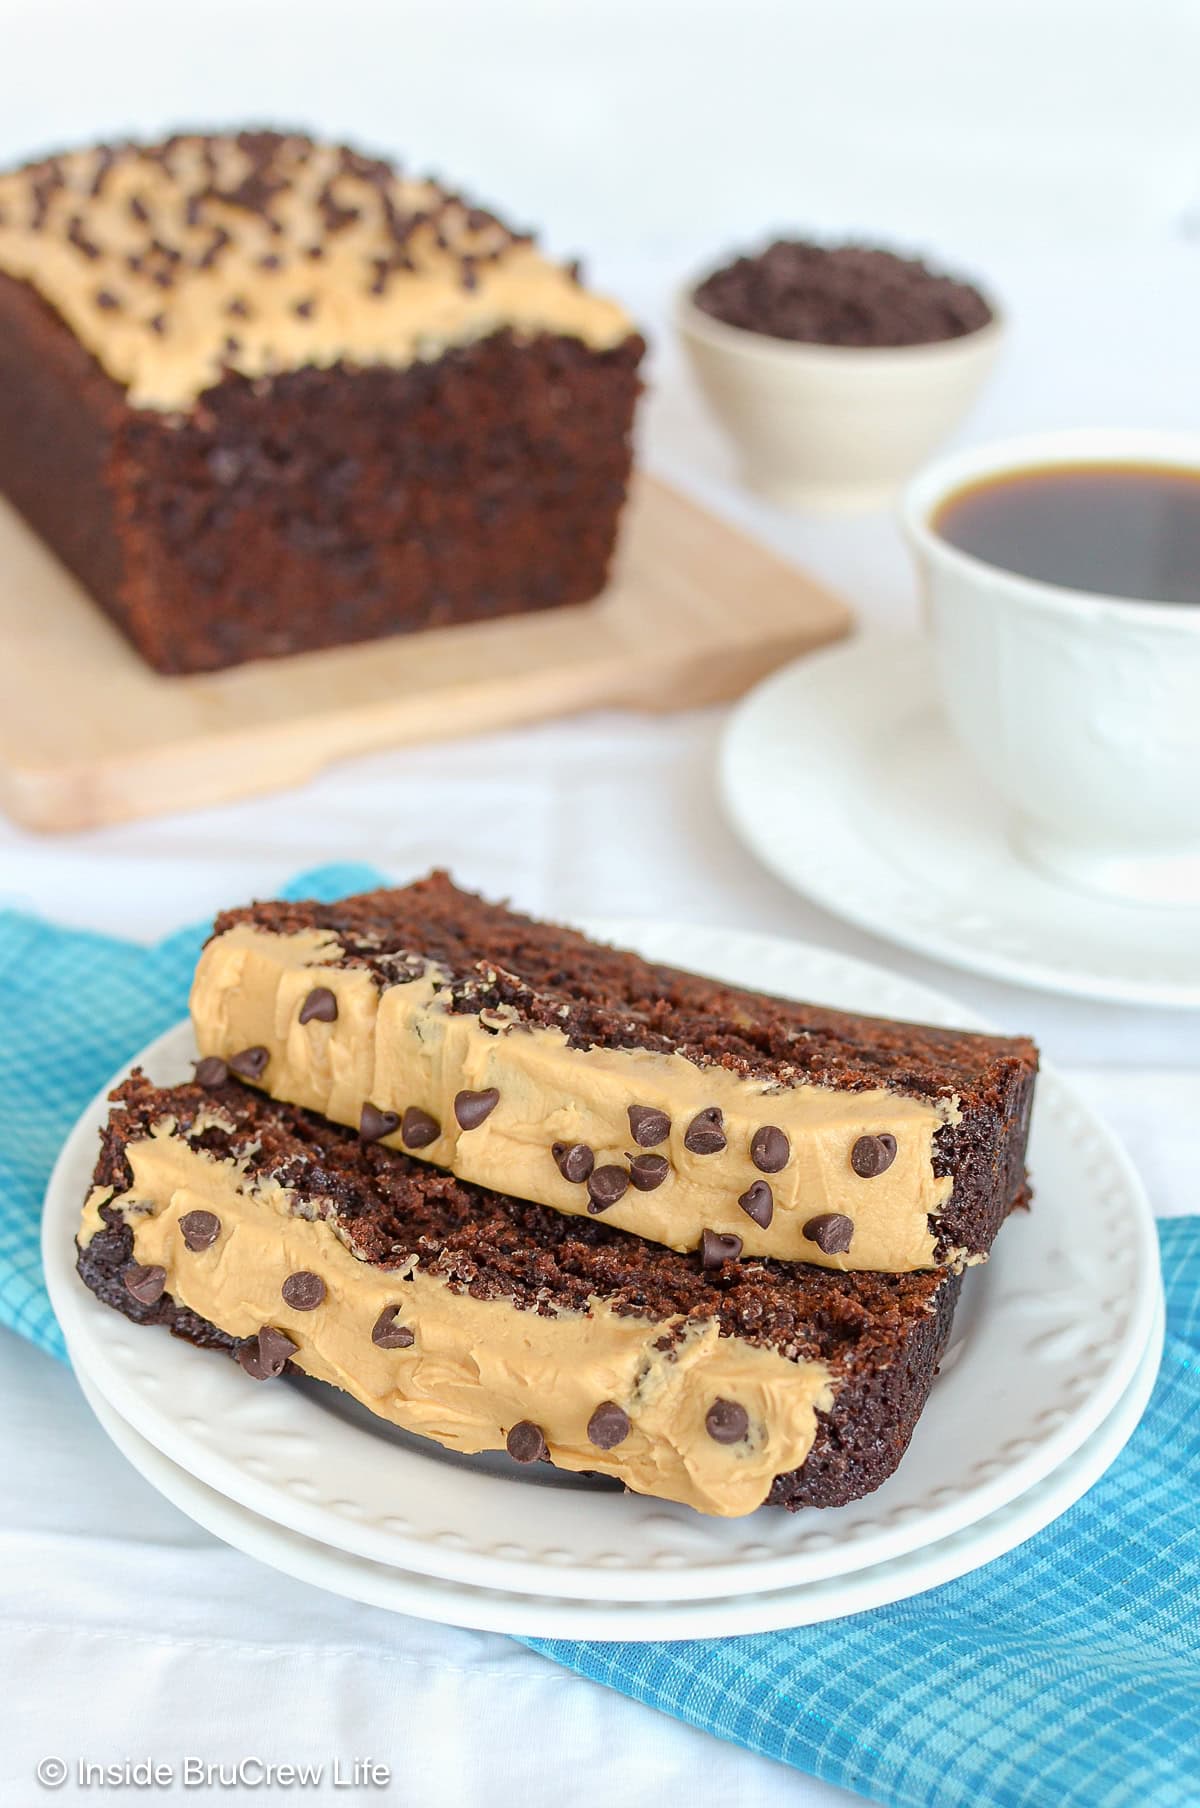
(688, 1156)
(686, 1414)
(263, 252)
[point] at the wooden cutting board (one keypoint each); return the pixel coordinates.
(696, 612)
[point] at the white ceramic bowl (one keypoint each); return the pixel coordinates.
(833, 426)
(1083, 710)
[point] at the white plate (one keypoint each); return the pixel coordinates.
(536, 1616)
(1047, 1338)
(843, 776)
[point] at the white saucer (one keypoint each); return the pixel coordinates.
(548, 1616)
(1047, 1338)
(842, 775)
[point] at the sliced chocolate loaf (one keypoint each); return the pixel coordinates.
(264, 395)
(528, 1059)
(486, 1322)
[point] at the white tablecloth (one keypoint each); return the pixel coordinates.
(129, 1634)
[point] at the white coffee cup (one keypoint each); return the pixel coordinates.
(1082, 710)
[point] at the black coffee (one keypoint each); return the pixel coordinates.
(1121, 530)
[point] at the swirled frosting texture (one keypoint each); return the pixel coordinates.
(261, 252)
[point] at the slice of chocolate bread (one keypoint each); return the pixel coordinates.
(525, 1058)
(483, 1322)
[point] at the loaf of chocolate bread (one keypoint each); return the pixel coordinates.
(263, 395)
(528, 1059)
(485, 1322)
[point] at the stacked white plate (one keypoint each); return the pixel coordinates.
(1055, 1348)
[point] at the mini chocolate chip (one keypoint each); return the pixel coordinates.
(266, 1356)
(375, 1123)
(303, 1291)
(873, 1155)
(769, 1149)
(525, 1443)
(648, 1171)
(608, 1426)
(605, 1186)
(706, 1133)
(717, 1248)
(470, 1108)
(575, 1161)
(251, 1063)
(726, 1422)
(212, 1071)
(145, 1284)
(831, 1232)
(199, 1230)
(758, 1203)
(319, 1007)
(648, 1126)
(418, 1129)
(388, 1335)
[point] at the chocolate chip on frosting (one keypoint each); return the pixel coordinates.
(471, 1108)
(145, 1284)
(648, 1126)
(251, 1063)
(374, 1123)
(199, 1230)
(605, 1186)
(525, 1443)
(319, 1007)
(726, 1422)
(831, 1232)
(873, 1155)
(648, 1171)
(575, 1161)
(303, 1291)
(758, 1203)
(418, 1129)
(388, 1335)
(718, 1247)
(211, 1072)
(705, 1134)
(770, 1149)
(266, 1355)
(608, 1426)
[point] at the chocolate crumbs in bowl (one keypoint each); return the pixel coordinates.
(848, 295)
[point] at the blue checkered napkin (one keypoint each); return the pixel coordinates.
(73, 1006)
(1065, 1675)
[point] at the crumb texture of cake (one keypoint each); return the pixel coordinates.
(527, 1059)
(485, 1322)
(265, 395)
